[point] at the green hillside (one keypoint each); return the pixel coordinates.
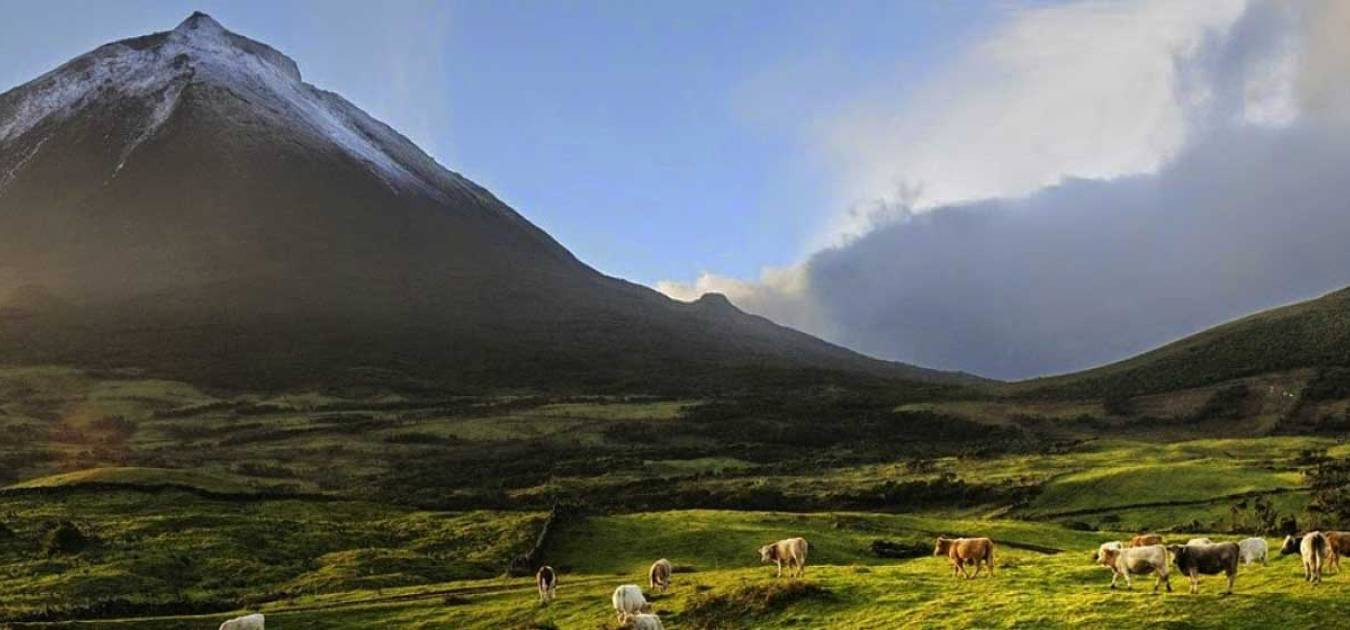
(1312, 334)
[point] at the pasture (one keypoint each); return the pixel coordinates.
(128, 502)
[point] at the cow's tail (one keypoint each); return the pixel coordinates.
(990, 559)
(1319, 545)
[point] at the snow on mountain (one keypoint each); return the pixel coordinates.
(157, 68)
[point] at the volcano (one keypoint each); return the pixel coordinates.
(197, 210)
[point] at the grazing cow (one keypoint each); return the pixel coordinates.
(659, 575)
(1199, 541)
(1115, 544)
(1338, 544)
(790, 551)
(647, 622)
(629, 602)
(1146, 540)
(547, 582)
(247, 622)
(1313, 548)
(961, 551)
(1194, 559)
(1253, 550)
(1137, 561)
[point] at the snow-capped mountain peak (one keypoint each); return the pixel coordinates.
(156, 69)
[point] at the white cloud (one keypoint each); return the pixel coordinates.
(1097, 179)
(1089, 89)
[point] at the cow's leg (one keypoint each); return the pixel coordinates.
(1232, 575)
(779, 563)
(1115, 575)
(962, 563)
(979, 564)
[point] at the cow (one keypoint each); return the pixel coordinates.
(1137, 561)
(961, 551)
(1313, 548)
(1115, 544)
(1146, 540)
(659, 575)
(1253, 550)
(1338, 544)
(1199, 541)
(647, 622)
(546, 580)
(247, 622)
(629, 602)
(790, 551)
(1193, 559)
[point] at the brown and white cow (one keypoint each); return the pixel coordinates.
(1338, 544)
(546, 580)
(1313, 548)
(1146, 540)
(1137, 561)
(1195, 558)
(789, 551)
(1114, 544)
(963, 551)
(658, 577)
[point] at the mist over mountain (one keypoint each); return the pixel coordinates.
(195, 207)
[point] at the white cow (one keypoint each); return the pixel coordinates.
(1199, 541)
(790, 552)
(647, 622)
(1253, 550)
(659, 575)
(629, 602)
(1313, 547)
(247, 622)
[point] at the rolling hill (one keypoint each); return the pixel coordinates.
(185, 203)
(1313, 334)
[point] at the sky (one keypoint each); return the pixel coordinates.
(1007, 188)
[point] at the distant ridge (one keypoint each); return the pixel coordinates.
(1311, 334)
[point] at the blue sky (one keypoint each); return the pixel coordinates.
(656, 140)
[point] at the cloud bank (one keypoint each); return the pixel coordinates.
(1095, 180)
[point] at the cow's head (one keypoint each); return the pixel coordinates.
(943, 547)
(1179, 553)
(1290, 545)
(768, 553)
(1109, 556)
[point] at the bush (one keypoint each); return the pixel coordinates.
(64, 537)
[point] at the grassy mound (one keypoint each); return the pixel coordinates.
(153, 477)
(739, 606)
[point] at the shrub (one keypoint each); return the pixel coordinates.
(64, 537)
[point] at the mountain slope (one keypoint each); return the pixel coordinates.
(197, 209)
(1311, 334)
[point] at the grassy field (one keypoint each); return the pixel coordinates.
(720, 584)
(135, 503)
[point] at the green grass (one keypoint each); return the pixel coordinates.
(1132, 484)
(216, 483)
(1032, 589)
